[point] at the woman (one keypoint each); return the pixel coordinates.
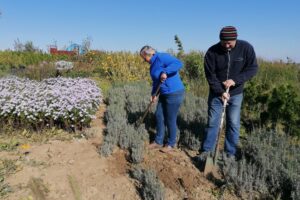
(164, 71)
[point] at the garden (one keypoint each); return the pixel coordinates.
(36, 99)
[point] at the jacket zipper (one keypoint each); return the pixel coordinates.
(228, 64)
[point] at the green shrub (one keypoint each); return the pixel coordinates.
(118, 66)
(284, 108)
(194, 65)
(272, 107)
(33, 65)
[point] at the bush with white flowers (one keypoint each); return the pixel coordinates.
(64, 102)
(63, 65)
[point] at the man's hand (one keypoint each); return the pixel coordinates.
(226, 96)
(228, 83)
(163, 77)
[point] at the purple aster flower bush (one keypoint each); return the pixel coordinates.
(63, 102)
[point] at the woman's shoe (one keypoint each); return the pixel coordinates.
(167, 149)
(154, 145)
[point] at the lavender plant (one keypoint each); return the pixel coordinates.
(151, 188)
(270, 167)
(64, 102)
(137, 100)
(137, 97)
(120, 131)
(111, 136)
(137, 143)
(192, 121)
(128, 102)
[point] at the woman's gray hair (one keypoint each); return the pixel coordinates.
(147, 50)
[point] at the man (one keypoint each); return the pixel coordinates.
(228, 64)
(164, 71)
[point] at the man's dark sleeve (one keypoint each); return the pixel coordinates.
(250, 68)
(209, 67)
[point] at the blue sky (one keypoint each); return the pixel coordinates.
(271, 26)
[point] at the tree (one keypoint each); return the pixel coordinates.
(290, 61)
(27, 47)
(180, 47)
(18, 46)
(86, 44)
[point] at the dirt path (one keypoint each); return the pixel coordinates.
(70, 170)
(74, 170)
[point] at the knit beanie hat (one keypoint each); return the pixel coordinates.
(228, 33)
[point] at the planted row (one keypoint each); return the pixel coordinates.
(269, 168)
(127, 103)
(120, 131)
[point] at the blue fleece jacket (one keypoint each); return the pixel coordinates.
(243, 66)
(165, 63)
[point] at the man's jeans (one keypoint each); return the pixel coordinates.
(232, 131)
(166, 115)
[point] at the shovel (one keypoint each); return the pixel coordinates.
(211, 162)
(141, 119)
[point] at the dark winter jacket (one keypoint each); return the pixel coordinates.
(243, 66)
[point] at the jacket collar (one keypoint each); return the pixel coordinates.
(153, 58)
(225, 50)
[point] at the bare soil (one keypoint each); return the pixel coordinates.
(60, 169)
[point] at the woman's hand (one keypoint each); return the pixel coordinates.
(153, 99)
(163, 77)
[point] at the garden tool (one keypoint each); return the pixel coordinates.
(211, 162)
(141, 119)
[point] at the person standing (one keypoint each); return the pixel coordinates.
(228, 64)
(164, 72)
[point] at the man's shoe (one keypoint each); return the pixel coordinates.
(229, 157)
(203, 156)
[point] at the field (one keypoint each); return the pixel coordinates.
(73, 136)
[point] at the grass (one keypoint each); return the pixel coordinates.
(7, 167)
(8, 145)
(10, 139)
(104, 84)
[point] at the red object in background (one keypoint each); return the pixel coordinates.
(54, 51)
